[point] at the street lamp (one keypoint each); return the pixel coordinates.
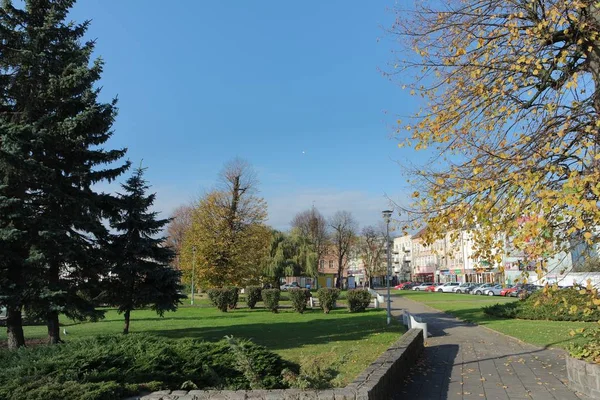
(193, 270)
(387, 216)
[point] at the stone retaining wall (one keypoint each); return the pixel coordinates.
(378, 381)
(584, 377)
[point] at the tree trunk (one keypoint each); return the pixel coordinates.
(14, 328)
(340, 272)
(53, 327)
(126, 327)
(52, 316)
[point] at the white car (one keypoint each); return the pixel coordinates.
(422, 286)
(462, 288)
(447, 287)
(287, 286)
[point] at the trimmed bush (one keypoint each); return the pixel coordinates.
(253, 296)
(299, 298)
(358, 300)
(271, 298)
(572, 304)
(327, 298)
(224, 298)
(119, 366)
(233, 297)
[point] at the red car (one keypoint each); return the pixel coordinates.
(432, 287)
(508, 290)
(401, 285)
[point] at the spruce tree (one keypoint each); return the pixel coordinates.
(141, 275)
(49, 104)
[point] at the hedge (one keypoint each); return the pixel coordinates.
(119, 366)
(572, 304)
(327, 298)
(358, 300)
(299, 298)
(224, 298)
(253, 296)
(271, 298)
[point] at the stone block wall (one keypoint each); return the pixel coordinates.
(378, 381)
(584, 377)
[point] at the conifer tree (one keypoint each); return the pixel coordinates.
(52, 131)
(140, 275)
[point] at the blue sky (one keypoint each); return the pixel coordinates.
(200, 82)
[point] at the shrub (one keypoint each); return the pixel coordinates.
(119, 366)
(224, 298)
(358, 300)
(589, 351)
(252, 295)
(233, 297)
(271, 298)
(299, 298)
(572, 304)
(327, 298)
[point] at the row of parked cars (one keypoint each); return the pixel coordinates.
(488, 289)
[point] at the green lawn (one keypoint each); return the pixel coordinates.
(340, 340)
(469, 308)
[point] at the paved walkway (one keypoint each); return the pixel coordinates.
(466, 361)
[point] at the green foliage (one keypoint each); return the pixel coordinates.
(327, 298)
(312, 376)
(233, 297)
(572, 304)
(299, 298)
(271, 298)
(53, 154)
(224, 298)
(112, 367)
(589, 351)
(140, 274)
(253, 295)
(358, 300)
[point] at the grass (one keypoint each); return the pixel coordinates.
(345, 342)
(469, 308)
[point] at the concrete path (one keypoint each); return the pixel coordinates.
(466, 361)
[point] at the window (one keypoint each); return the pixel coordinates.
(330, 263)
(322, 266)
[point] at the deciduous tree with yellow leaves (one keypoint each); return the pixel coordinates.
(228, 231)
(511, 116)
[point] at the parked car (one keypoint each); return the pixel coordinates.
(494, 290)
(463, 287)
(432, 287)
(525, 291)
(422, 286)
(509, 289)
(481, 289)
(410, 285)
(400, 286)
(447, 287)
(287, 286)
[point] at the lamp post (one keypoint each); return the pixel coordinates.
(193, 270)
(387, 216)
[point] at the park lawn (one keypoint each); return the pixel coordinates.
(469, 308)
(345, 342)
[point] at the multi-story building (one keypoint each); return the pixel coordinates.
(402, 258)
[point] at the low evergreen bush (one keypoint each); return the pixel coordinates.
(271, 298)
(572, 304)
(253, 296)
(299, 298)
(119, 366)
(358, 300)
(327, 298)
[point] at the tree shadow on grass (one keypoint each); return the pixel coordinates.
(277, 335)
